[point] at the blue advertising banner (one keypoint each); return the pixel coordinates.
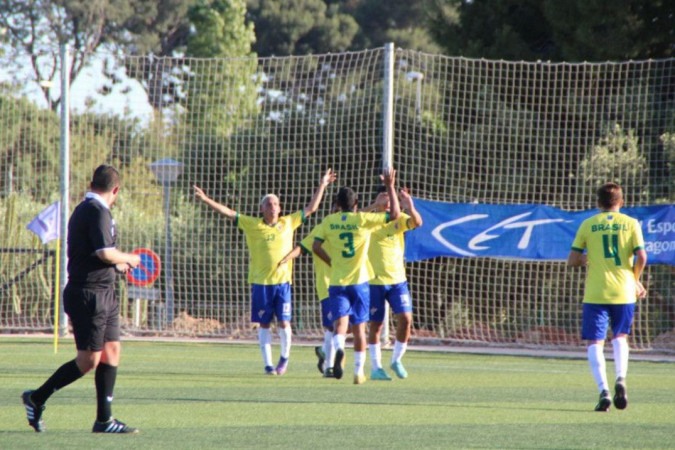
(531, 232)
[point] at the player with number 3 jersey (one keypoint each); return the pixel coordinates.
(342, 241)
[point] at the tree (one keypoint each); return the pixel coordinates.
(574, 30)
(496, 29)
(286, 27)
(617, 30)
(404, 22)
(34, 29)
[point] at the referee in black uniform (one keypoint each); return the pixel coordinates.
(89, 300)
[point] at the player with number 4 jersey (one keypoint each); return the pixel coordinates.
(615, 256)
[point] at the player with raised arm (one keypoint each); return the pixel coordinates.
(615, 256)
(389, 283)
(342, 240)
(268, 240)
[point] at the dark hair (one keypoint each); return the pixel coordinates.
(609, 195)
(105, 178)
(346, 199)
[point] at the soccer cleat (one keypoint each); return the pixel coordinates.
(113, 426)
(328, 373)
(359, 378)
(620, 394)
(605, 402)
(282, 366)
(33, 412)
(338, 368)
(269, 370)
(379, 374)
(318, 351)
(399, 370)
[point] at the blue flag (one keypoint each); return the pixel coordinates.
(528, 232)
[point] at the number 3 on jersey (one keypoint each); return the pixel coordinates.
(348, 239)
(610, 243)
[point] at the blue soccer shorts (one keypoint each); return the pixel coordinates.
(326, 320)
(352, 301)
(596, 320)
(398, 296)
(269, 301)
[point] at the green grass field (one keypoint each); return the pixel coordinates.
(206, 395)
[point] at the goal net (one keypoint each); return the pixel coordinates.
(464, 130)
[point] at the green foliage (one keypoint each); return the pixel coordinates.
(403, 22)
(290, 27)
(668, 140)
(618, 158)
(575, 30)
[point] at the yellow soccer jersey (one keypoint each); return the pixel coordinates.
(345, 237)
(321, 269)
(610, 240)
(386, 252)
(267, 245)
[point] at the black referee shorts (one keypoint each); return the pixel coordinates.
(94, 314)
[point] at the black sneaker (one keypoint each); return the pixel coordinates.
(620, 394)
(33, 412)
(113, 426)
(329, 373)
(318, 351)
(605, 402)
(338, 367)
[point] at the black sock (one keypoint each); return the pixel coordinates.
(63, 376)
(105, 383)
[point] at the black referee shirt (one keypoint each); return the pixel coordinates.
(90, 228)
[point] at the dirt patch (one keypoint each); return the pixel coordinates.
(547, 335)
(665, 341)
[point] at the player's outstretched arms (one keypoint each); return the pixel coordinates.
(408, 205)
(118, 258)
(221, 209)
(315, 201)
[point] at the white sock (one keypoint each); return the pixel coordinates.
(328, 349)
(265, 342)
(359, 362)
(285, 341)
(621, 350)
(399, 351)
(596, 361)
(375, 356)
(339, 341)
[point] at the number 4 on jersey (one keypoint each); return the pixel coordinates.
(610, 243)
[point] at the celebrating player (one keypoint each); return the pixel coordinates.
(616, 257)
(268, 239)
(322, 278)
(389, 283)
(342, 240)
